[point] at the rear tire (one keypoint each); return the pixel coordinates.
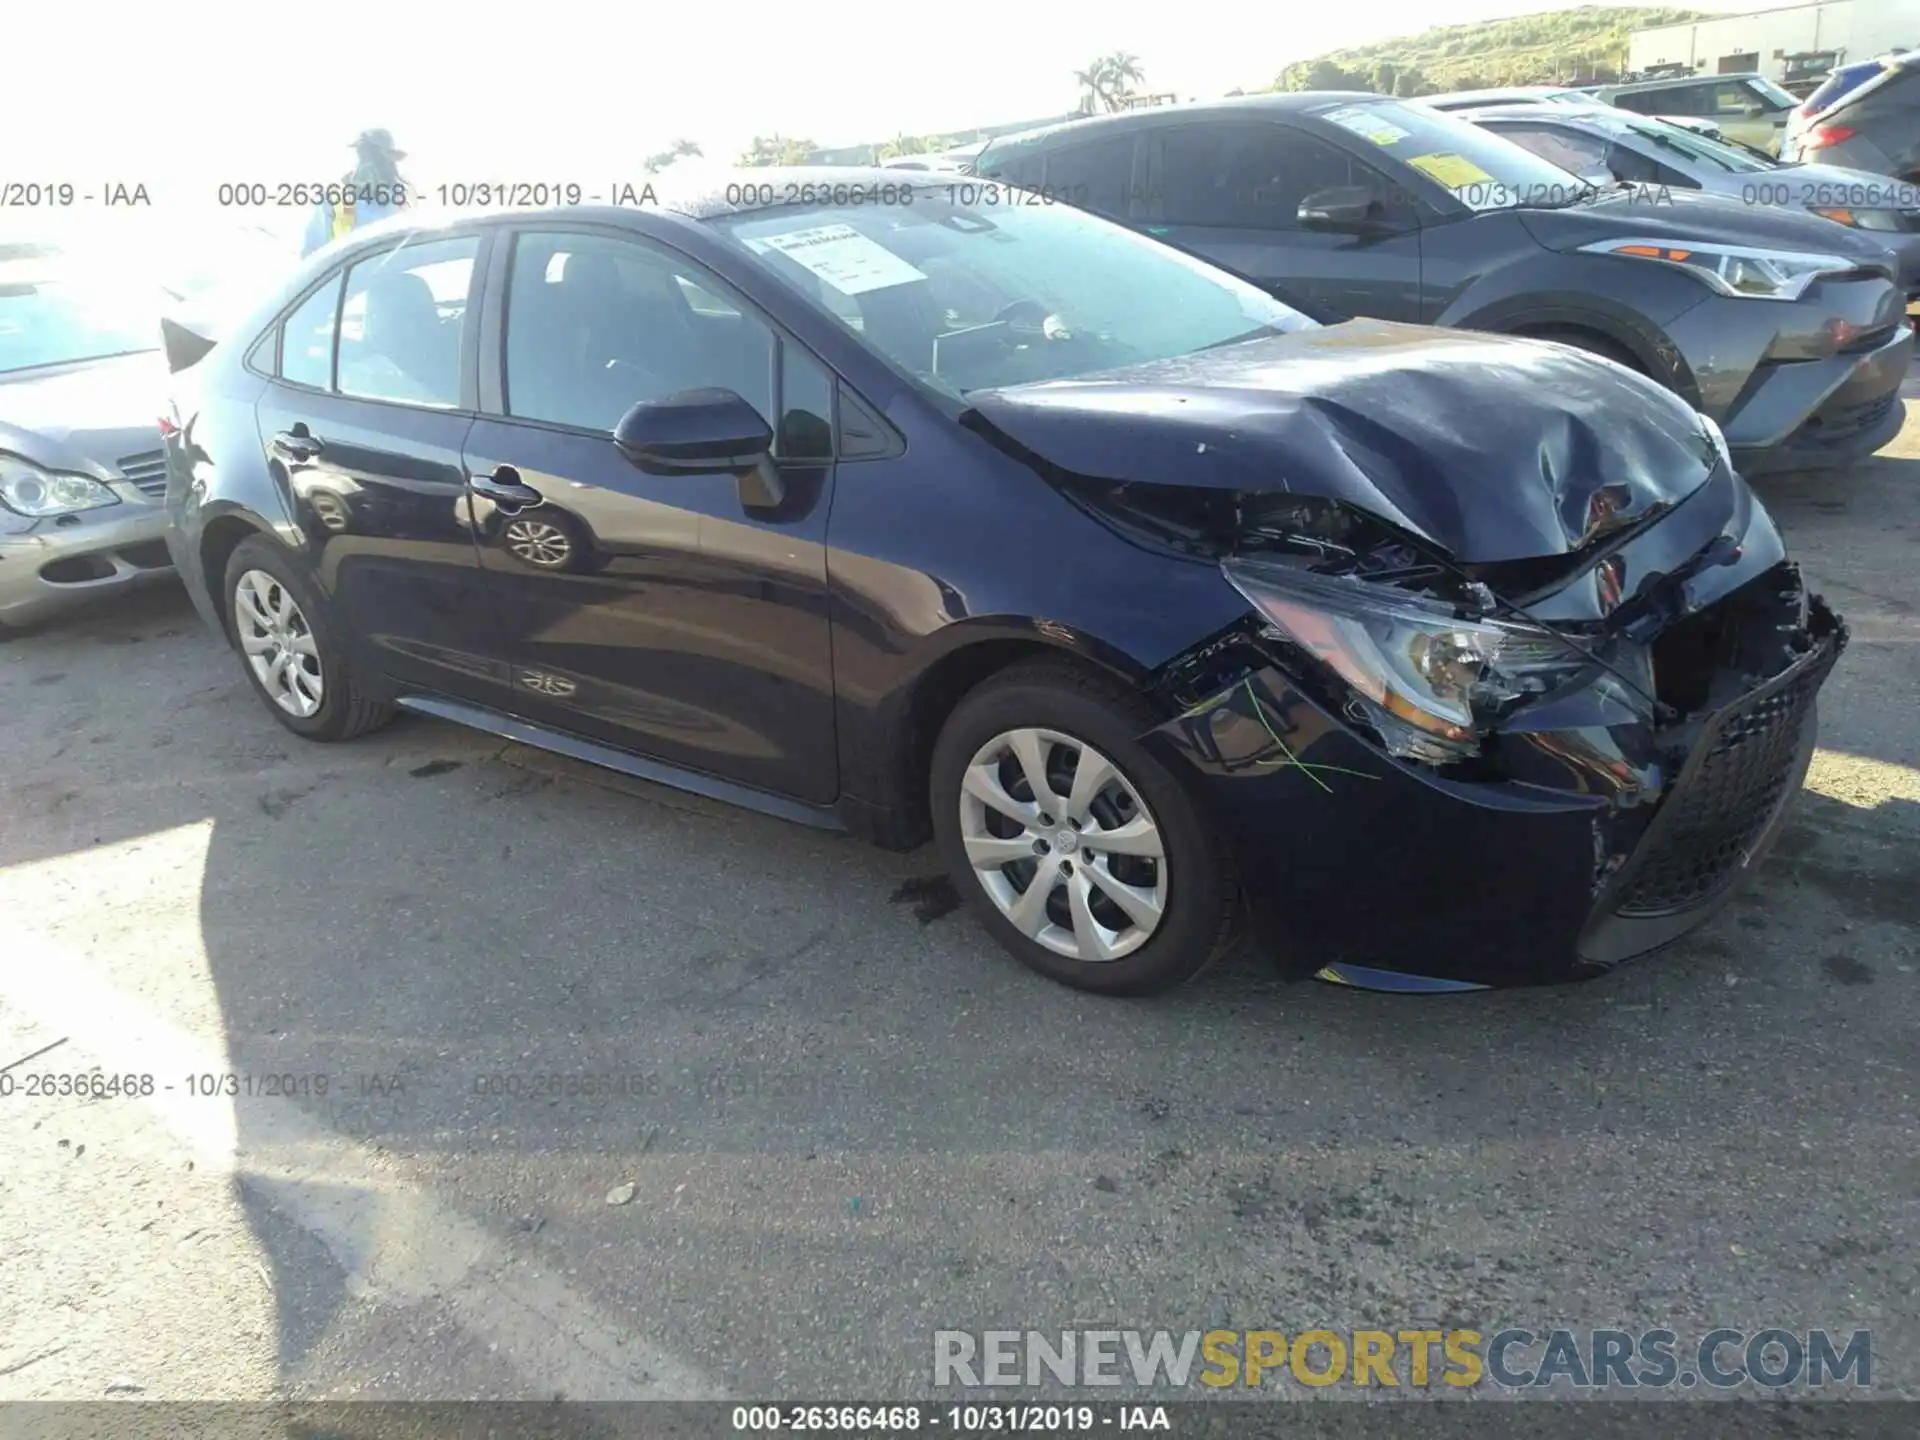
(1117, 921)
(279, 624)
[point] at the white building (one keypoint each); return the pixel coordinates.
(1765, 39)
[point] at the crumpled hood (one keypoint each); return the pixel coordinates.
(84, 417)
(1493, 448)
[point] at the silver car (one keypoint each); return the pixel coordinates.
(1455, 101)
(1607, 145)
(82, 465)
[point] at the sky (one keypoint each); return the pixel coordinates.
(183, 96)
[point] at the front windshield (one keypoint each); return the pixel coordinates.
(1480, 169)
(1700, 147)
(974, 285)
(51, 321)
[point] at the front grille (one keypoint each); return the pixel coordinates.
(146, 472)
(1725, 798)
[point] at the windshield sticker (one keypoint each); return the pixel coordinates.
(1359, 120)
(843, 257)
(1452, 171)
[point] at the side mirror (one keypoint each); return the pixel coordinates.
(702, 432)
(1343, 207)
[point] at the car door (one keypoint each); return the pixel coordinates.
(1231, 190)
(368, 404)
(661, 615)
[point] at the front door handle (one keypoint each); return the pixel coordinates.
(299, 443)
(503, 487)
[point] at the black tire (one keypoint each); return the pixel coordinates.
(1593, 344)
(1203, 898)
(344, 712)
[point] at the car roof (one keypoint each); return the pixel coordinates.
(695, 199)
(1598, 117)
(1291, 102)
(1496, 94)
(1674, 82)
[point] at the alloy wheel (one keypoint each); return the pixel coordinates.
(278, 643)
(1063, 844)
(539, 543)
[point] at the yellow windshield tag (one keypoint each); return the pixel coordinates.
(1452, 171)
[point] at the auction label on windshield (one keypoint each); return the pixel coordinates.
(843, 257)
(1359, 120)
(1451, 170)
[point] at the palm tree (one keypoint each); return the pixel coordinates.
(904, 144)
(656, 163)
(1093, 87)
(1108, 81)
(1123, 74)
(778, 150)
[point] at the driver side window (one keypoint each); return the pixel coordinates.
(595, 325)
(1254, 176)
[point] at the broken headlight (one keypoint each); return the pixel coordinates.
(1429, 682)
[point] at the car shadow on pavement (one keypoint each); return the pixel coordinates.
(727, 1076)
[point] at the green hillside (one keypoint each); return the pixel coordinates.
(1583, 46)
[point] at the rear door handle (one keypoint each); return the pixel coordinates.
(503, 487)
(299, 443)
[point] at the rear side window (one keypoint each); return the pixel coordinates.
(1677, 100)
(306, 339)
(400, 323)
(1096, 177)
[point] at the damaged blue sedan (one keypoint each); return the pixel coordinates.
(926, 509)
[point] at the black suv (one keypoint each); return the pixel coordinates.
(1787, 330)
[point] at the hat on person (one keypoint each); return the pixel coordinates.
(381, 140)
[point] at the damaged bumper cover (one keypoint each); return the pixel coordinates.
(1582, 840)
(1523, 686)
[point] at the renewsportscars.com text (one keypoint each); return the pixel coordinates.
(1414, 1359)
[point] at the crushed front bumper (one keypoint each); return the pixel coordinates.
(1601, 843)
(50, 565)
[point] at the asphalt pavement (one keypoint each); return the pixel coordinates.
(829, 1118)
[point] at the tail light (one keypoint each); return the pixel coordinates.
(1821, 136)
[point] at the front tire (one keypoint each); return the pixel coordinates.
(288, 648)
(1081, 854)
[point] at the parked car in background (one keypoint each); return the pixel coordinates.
(1749, 108)
(1465, 101)
(1604, 145)
(1141, 594)
(1788, 330)
(82, 469)
(1865, 116)
(954, 161)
